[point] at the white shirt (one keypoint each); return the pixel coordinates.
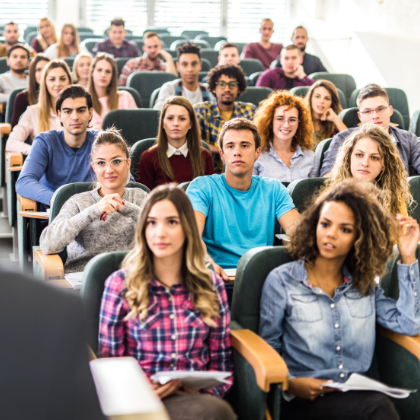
(8, 83)
(183, 150)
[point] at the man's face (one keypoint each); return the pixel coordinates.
(18, 60)
(376, 111)
(290, 60)
(152, 46)
(188, 66)
(117, 34)
(229, 56)
(266, 30)
(226, 90)
(300, 38)
(75, 115)
(11, 34)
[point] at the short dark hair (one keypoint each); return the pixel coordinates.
(117, 22)
(371, 90)
(229, 70)
(11, 23)
(73, 92)
(228, 45)
(15, 47)
(188, 48)
(150, 34)
(239, 124)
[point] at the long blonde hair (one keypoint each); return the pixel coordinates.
(45, 103)
(111, 90)
(140, 267)
(63, 51)
(392, 180)
(78, 57)
(42, 41)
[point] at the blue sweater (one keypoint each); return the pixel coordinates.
(52, 163)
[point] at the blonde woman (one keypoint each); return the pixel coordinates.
(68, 45)
(42, 116)
(46, 36)
(81, 69)
(167, 310)
(370, 154)
(103, 86)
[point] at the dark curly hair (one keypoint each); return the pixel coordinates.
(188, 48)
(375, 227)
(229, 70)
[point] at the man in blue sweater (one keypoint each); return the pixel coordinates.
(60, 157)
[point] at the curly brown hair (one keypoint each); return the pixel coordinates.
(264, 117)
(229, 70)
(376, 231)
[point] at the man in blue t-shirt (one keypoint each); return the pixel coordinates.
(236, 211)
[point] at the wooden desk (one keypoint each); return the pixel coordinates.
(5, 128)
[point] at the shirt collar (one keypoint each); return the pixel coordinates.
(298, 152)
(393, 134)
(216, 111)
(183, 150)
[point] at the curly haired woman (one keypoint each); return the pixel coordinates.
(285, 126)
(320, 311)
(370, 154)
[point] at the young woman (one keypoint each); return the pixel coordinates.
(324, 104)
(320, 312)
(167, 310)
(101, 220)
(81, 69)
(42, 116)
(68, 45)
(178, 155)
(46, 36)
(369, 154)
(285, 126)
(29, 96)
(103, 86)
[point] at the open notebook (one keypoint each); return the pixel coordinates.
(194, 379)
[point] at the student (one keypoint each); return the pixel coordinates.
(369, 154)
(188, 66)
(311, 63)
(41, 116)
(60, 156)
(265, 51)
(235, 211)
(80, 226)
(285, 126)
(18, 61)
(374, 107)
(151, 60)
(116, 45)
(68, 45)
(29, 96)
(81, 69)
(11, 35)
(229, 54)
(46, 36)
(320, 312)
(165, 287)
(324, 104)
(178, 155)
(104, 90)
(290, 75)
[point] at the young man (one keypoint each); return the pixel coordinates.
(18, 61)
(311, 63)
(188, 66)
(11, 33)
(265, 51)
(116, 45)
(235, 211)
(374, 108)
(290, 75)
(151, 60)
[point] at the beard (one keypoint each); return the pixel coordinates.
(302, 49)
(18, 71)
(227, 102)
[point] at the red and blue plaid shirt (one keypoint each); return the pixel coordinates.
(127, 49)
(172, 337)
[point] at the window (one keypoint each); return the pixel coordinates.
(23, 12)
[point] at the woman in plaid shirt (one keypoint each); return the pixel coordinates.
(167, 310)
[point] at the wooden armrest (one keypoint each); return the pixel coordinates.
(26, 204)
(51, 265)
(268, 365)
(5, 128)
(92, 355)
(412, 344)
(15, 159)
(34, 215)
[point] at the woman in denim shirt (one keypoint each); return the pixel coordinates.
(320, 312)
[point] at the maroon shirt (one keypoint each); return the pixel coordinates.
(266, 56)
(276, 80)
(150, 172)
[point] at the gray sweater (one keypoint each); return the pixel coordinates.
(78, 226)
(8, 83)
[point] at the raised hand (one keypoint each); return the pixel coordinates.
(299, 72)
(408, 238)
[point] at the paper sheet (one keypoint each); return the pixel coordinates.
(231, 272)
(194, 379)
(75, 279)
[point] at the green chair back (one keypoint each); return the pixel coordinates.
(157, 30)
(205, 65)
(89, 43)
(28, 30)
(30, 37)
(184, 185)
(303, 192)
(69, 61)
(153, 98)
(134, 94)
(192, 34)
(211, 55)
(146, 82)
(345, 82)
(211, 40)
(351, 119)
(179, 42)
(173, 53)
(415, 123)
(254, 77)
(170, 39)
(251, 66)
(84, 29)
(137, 150)
(302, 91)
(3, 65)
(89, 35)
(121, 62)
(10, 102)
(320, 150)
(202, 74)
(255, 95)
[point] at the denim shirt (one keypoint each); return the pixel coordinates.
(331, 338)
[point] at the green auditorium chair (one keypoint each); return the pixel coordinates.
(191, 34)
(146, 82)
(303, 191)
(84, 29)
(205, 65)
(121, 62)
(91, 42)
(139, 43)
(3, 65)
(351, 119)
(320, 150)
(160, 31)
(211, 40)
(251, 66)
(28, 30)
(30, 37)
(345, 82)
(153, 97)
(302, 91)
(211, 55)
(134, 94)
(69, 61)
(129, 31)
(179, 42)
(255, 76)
(257, 367)
(88, 35)
(255, 95)
(169, 39)
(415, 123)
(202, 74)
(184, 185)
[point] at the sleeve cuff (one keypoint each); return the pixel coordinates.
(408, 271)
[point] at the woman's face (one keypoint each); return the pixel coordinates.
(56, 81)
(285, 123)
(102, 74)
(68, 37)
(176, 122)
(366, 161)
(38, 70)
(336, 230)
(45, 29)
(321, 101)
(83, 68)
(164, 232)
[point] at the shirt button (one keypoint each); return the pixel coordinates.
(336, 325)
(173, 336)
(172, 365)
(172, 316)
(412, 272)
(342, 375)
(340, 366)
(332, 305)
(173, 355)
(170, 298)
(415, 293)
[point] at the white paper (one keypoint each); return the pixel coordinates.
(75, 279)
(283, 237)
(40, 213)
(358, 382)
(194, 379)
(231, 272)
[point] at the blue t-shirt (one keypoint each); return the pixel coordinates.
(237, 221)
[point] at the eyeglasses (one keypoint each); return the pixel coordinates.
(101, 165)
(378, 111)
(292, 121)
(222, 84)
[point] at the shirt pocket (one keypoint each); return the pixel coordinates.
(154, 315)
(360, 306)
(304, 173)
(193, 318)
(306, 308)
